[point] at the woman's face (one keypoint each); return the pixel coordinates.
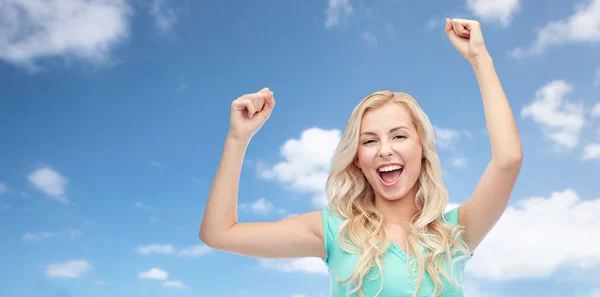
(389, 151)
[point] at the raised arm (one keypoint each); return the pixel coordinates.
(484, 208)
(296, 236)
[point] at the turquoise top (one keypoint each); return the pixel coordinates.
(397, 277)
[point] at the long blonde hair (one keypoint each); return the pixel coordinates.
(352, 198)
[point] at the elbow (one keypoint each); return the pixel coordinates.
(510, 161)
(205, 236)
(213, 239)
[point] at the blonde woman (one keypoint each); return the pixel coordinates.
(387, 231)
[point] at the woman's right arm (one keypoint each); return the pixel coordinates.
(292, 237)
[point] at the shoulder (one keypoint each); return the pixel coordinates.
(331, 227)
(331, 222)
(451, 216)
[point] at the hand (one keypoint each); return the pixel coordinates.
(249, 112)
(466, 37)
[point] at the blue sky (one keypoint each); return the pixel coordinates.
(113, 115)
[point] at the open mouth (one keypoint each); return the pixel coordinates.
(390, 174)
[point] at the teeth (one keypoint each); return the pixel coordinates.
(390, 168)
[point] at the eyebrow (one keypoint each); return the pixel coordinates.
(391, 130)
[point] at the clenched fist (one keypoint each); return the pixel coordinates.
(466, 37)
(249, 112)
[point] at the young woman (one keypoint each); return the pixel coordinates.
(387, 232)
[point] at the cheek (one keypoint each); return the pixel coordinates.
(365, 157)
(409, 152)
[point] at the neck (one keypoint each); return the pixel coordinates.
(398, 212)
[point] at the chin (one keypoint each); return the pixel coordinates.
(393, 195)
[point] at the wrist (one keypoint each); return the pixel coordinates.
(235, 140)
(480, 60)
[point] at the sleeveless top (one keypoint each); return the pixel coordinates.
(399, 278)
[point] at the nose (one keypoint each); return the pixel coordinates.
(386, 149)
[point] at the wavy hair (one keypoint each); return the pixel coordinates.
(433, 240)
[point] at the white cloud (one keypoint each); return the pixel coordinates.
(369, 38)
(261, 207)
(144, 206)
(526, 238)
(583, 26)
(86, 30)
(560, 120)
(155, 163)
(459, 162)
(68, 232)
(445, 138)
(306, 163)
(596, 110)
(494, 10)
(174, 284)
(164, 16)
(155, 249)
(154, 273)
(50, 182)
(432, 23)
(195, 251)
(450, 206)
(475, 290)
(168, 249)
(3, 188)
(69, 269)
(309, 265)
(337, 12)
(591, 151)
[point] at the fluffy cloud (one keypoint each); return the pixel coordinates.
(560, 120)
(306, 265)
(167, 249)
(155, 248)
(68, 232)
(144, 206)
(50, 182)
(262, 207)
(583, 26)
(526, 238)
(86, 30)
(69, 269)
(459, 162)
(494, 10)
(337, 12)
(194, 251)
(174, 284)
(595, 110)
(306, 163)
(154, 273)
(447, 138)
(164, 16)
(369, 38)
(591, 151)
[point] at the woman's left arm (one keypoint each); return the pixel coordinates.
(484, 208)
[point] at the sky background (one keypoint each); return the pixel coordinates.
(113, 115)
